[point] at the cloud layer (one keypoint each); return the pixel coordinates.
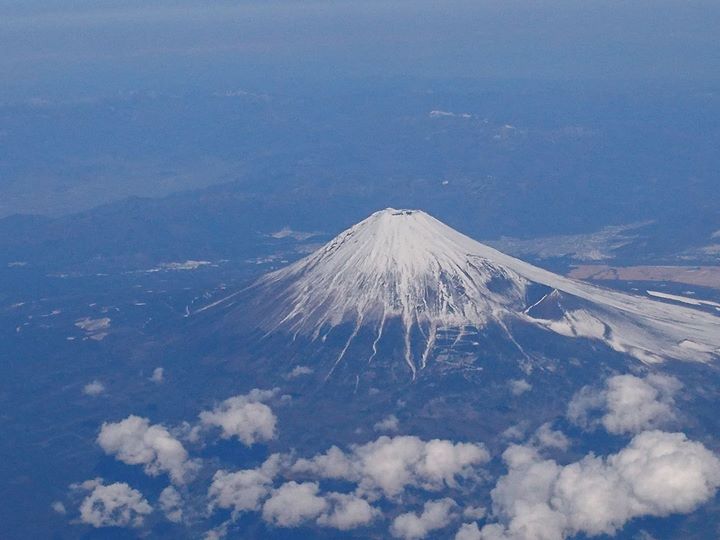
(135, 442)
(390, 464)
(94, 388)
(347, 511)
(244, 417)
(244, 490)
(113, 505)
(293, 504)
(657, 474)
(630, 404)
(171, 504)
(288, 493)
(435, 515)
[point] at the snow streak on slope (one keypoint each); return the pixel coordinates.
(405, 264)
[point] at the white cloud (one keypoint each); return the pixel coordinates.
(389, 423)
(299, 371)
(87, 485)
(435, 515)
(657, 474)
(135, 442)
(94, 388)
(346, 512)
(114, 505)
(245, 490)
(390, 464)
(58, 507)
(292, 504)
(158, 375)
(468, 531)
(218, 533)
(630, 404)
(519, 386)
(332, 464)
(95, 329)
(515, 432)
(171, 504)
(546, 437)
(244, 417)
(188, 432)
(586, 402)
(474, 512)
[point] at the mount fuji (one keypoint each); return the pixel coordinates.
(403, 282)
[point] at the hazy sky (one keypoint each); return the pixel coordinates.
(101, 46)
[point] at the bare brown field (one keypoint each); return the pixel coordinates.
(703, 276)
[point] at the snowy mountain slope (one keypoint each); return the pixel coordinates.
(407, 265)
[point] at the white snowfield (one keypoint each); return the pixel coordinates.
(407, 264)
(684, 299)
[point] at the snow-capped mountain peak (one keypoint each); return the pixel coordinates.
(407, 265)
(401, 263)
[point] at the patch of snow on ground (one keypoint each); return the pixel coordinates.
(683, 299)
(94, 328)
(186, 265)
(287, 232)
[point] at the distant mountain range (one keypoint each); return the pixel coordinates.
(231, 220)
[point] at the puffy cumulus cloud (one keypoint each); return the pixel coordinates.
(435, 515)
(113, 505)
(94, 388)
(389, 423)
(657, 474)
(158, 375)
(299, 371)
(245, 490)
(474, 512)
(294, 503)
(627, 404)
(347, 511)
(58, 507)
(332, 464)
(135, 442)
(171, 504)
(468, 531)
(389, 464)
(244, 417)
(547, 437)
(218, 533)
(291, 504)
(519, 386)
(188, 432)
(516, 431)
